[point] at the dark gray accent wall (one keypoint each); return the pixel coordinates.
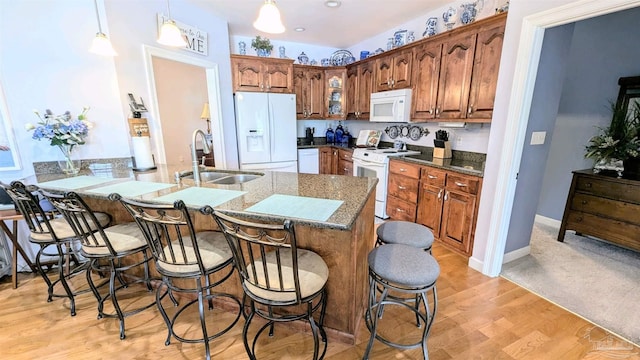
(542, 117)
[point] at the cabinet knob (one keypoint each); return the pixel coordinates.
(440, 194)
(402, 187)
(431, 111)
(584, 202)
(579, 219)
(399, 210)
(446, 196)
(403, 170)
(432, 177)
(460, 184)
(261, 86)
(470, 109)
(437, 112)
(587, 185)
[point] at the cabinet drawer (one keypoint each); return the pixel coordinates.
(609, 189)
(606, 207)
(433, 176)
(345, 167)
(462, 183)
(405, 169)
(400, 210)
(403, 187)
(345, 154)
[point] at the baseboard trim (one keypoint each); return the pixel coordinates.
(475, 264)
(516, 254)
(548, 221)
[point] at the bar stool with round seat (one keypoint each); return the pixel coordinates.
(405, 232)
(400, 269)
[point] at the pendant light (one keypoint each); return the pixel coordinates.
(101, 44)
(170, 34)
(269, 19)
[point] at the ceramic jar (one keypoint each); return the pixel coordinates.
(263, 52)
(303, 59)
(242, 48)
(450, 17)
(281, 53)
(430, 30)
(469, 12)
(410, 37)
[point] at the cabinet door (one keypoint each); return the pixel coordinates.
(426, 73)
(278, 77)
(299, 88)
(247, 75)
(401, 77)
(457, 220)
(485, 72)
(365, 88)
(455, 76)
(430, 207)
(384, 73)
(326, 160)
(335, 85)
(351, 93)
(315, 94)
(334, 162)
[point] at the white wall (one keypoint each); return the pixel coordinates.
(45, 65)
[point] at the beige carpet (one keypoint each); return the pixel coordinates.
(598, 281)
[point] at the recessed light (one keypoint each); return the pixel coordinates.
(299, 29)
(332, 3)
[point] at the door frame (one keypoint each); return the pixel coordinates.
(524, 78)
(213, 94)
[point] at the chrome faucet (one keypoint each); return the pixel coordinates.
(194, 159)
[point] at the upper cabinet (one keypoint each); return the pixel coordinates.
(454, 76)
(393, 71)
(259, 74)
(309, 84)
(335, 94)
(359, 89)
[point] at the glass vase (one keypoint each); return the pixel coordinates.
(68, 165)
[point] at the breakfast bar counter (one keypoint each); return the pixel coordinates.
(333, 216)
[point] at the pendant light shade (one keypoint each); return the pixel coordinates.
(170, 34)
(269, 19)
(101, 44)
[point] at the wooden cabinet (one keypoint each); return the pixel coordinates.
(345, 162)
(359, 89)
(258, 74)
(328, 160)
(309, 84)
(444, 201)
(402, 190)
(393, 71)
(455, 77)
(336, 161)
(484, 78)
(335, 94)
(431, 199)
(603, 206)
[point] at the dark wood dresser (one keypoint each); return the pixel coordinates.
(605, 207)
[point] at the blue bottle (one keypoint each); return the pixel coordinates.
(330, 135)
(339, 134)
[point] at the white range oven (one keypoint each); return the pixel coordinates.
(373, 162)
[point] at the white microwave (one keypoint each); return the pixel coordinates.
(390, 106)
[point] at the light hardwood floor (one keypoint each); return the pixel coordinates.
(478, 318)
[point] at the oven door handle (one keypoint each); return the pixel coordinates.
(367, 163)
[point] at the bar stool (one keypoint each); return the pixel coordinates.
(402, 270)
(405, 232)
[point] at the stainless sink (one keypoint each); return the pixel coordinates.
(208, 176)
(223, 178)
(234, 179)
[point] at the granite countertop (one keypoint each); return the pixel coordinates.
(348, 194)
(464, 166)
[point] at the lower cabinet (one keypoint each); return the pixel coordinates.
(336, 161)
(444, 201)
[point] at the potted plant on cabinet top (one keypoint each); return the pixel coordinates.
(262, 46)
(617, 146)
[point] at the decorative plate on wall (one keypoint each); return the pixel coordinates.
(341, 57)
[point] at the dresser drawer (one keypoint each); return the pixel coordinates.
(463, 183)
(618, 232)
(605, 207)
(345, 155)
(400, 210)
(403, 187)
(609, 189)
(433, 176)
(405, 169)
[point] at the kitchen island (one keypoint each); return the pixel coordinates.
(337, 222)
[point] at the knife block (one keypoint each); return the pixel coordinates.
(442, 152)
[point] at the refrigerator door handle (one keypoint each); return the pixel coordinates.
(272, 137)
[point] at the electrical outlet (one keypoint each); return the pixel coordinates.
(537, 137)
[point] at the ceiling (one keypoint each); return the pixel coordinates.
(350, 23)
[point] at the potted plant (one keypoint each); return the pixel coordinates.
(618, 143)
(262, 46)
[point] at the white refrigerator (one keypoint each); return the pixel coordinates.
(266, 130)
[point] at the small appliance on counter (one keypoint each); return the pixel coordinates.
(442, 148)
(309, 132)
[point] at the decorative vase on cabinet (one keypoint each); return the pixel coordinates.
(263, 52)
